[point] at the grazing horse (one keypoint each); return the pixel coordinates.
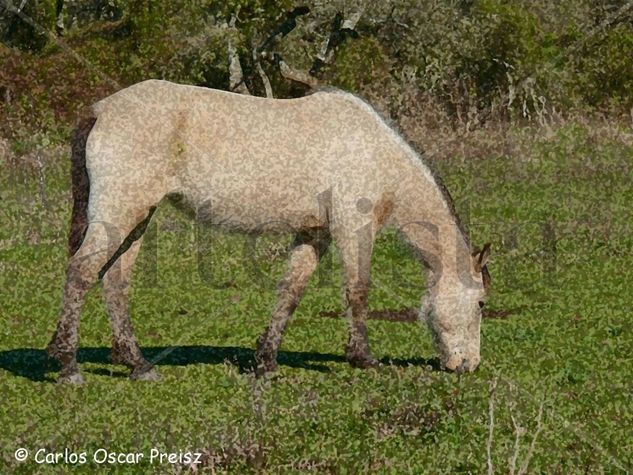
(325, 166)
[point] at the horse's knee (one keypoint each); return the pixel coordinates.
(84, 266)
(356, 297)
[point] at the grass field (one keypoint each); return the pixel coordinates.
(559, 215)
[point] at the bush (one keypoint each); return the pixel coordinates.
(359, 64)
(187, 41)
(469, 61)
(605, 70)
(25, 35)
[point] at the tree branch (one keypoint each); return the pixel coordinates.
(341, 29)
(267, 87)
(236, 75)
(295, 74)
(289, 24)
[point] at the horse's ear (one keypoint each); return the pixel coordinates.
(480, 258)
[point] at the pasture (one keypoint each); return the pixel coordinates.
(556, 340)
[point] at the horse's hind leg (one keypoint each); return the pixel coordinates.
(81, 274)
(116, 287)
(307, 249)
(100, 244)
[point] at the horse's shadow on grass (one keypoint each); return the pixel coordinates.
(34, 363)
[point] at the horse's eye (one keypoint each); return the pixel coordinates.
(481, 304)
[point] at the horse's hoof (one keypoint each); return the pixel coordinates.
(73, 378)
(265, 368)
(265, 365)
(362, 361)
(145, 375)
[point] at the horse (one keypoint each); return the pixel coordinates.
(325, 166)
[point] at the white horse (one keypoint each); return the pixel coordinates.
(326, 166)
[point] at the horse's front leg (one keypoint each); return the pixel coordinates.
(116, 287)
(307, 249)
(426, 306)
(356, 255)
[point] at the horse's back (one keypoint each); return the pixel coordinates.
(249, 158)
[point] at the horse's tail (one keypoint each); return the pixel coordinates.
(80, 183)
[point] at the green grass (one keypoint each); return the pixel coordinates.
(560, 220)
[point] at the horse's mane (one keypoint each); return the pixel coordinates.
(450, 203)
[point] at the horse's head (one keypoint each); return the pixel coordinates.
(453, 313)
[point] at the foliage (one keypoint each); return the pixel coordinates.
(361, 64)
(606, 69)
(31, 35)
(473, 61)
(495, 58)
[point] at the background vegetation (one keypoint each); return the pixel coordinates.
(470, 61)
(523, 106)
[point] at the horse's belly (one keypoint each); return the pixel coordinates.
(259, 210)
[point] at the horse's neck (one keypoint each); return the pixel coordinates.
(427, 219)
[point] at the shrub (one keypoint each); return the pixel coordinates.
(469, 60)
(28, 35)
(360, 63)
(605, 69)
